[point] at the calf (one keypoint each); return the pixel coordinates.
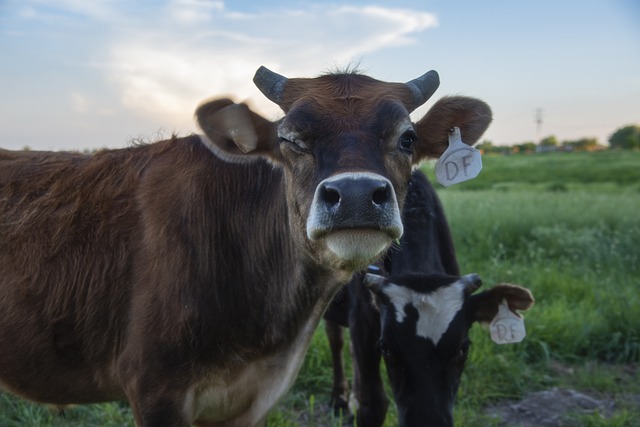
(425, 322)
(187, 276)
(425, 247)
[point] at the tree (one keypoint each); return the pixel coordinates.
(550, 141)
(583, 144)
(627, 138)
(485, 146)
(525, 148)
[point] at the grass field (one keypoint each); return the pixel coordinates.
(567, 226)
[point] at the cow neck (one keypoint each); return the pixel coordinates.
(282, 289)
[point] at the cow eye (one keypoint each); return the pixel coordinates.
(295, 144)
(407, 140)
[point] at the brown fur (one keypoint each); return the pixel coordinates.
(157, 272)
(485, 304)
(357, 92)
(473, 120)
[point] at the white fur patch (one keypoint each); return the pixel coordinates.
(223, 155)
(244, 397)
(436, 309)
(357, 244)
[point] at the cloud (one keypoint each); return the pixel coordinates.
(80, 102)
(128, 66)
(195, 49)
(194, 11)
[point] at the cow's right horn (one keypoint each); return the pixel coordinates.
(423, 87)
(374, 282)
(270, 84)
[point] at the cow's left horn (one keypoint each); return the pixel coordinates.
(471, 282)
(423, 87)
(270, 84)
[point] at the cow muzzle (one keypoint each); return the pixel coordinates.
(356, 213)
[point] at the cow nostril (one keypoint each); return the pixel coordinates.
(330, 195)
(381, 195)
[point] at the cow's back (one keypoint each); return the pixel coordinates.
(68, 226)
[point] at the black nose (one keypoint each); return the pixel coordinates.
(354, 201)
(355, 192)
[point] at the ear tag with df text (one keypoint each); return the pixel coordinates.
(460, 162)
(507, 327)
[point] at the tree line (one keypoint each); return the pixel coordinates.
(625, 138)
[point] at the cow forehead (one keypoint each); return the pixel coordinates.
(310, 115)
(436, 309)
(348, 87)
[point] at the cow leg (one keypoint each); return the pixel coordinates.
(155, 402)
(368, 388)
(161, 415)
(339, 391)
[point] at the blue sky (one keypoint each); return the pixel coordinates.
(78, 74)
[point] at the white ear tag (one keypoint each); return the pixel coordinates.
(460, 162)
(507, 327)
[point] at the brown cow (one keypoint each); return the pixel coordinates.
(187, 276)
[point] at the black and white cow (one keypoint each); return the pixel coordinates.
(379, 327)
(425, 321)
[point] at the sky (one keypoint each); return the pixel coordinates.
(78, 74)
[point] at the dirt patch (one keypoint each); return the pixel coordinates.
(553, 408)
(556, 407)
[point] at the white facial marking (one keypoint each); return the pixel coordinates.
(436, 309)
(354, 175)
(357, 244)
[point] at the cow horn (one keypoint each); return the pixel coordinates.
(374, 281)
(471, 283)
(270, 84)
(423, 87)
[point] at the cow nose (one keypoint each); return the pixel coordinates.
(354, 201)
(367, 190)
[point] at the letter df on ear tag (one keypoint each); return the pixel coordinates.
(507, 327)
(460, 162)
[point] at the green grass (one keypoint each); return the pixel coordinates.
(18, 413)
(556, 169)
(567, 226)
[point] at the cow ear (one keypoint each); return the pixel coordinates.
(234, 131)
(471, 115)
(484, 306)
(375, 282)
